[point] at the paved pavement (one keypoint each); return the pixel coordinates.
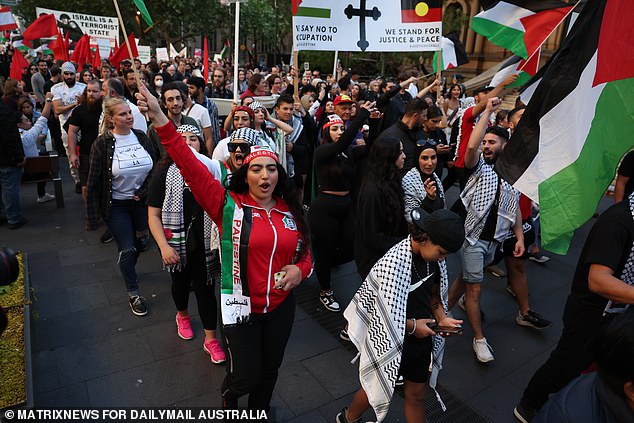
(90, 351)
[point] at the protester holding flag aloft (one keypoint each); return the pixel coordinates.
(257, 305)
(468, 119)
(492, 210)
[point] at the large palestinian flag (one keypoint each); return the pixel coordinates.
(579, 122)
(520, 26)
(453, 53)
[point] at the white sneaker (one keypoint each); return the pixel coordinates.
(45, 198)
(483, 351)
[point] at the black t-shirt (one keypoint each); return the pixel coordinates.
(419, 300)
(627, 169)
(192, 212)
(609, 244)
(88, 123)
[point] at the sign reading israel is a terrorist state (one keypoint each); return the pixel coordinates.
(367, 25)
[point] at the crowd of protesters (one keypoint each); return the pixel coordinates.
(242, 206)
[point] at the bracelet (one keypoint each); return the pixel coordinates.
(414, 329)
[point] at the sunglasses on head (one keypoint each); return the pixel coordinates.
(422, 143)
(242, 146)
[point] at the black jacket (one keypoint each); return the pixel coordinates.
(408, 137)
(11, 151)
(99, 185)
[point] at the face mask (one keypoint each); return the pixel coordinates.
(159, 83)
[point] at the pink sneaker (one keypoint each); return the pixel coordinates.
(214, 349)
(184, 327)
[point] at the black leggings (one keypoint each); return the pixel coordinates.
(256, 350)
(196, 272)
(331, 223)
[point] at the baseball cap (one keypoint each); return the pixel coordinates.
(343, 99)
(444, 227)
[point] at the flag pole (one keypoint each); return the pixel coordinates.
(296, 75)
(127, 43)
(439, 69)
(551, 33)
(334, 65)
(236, 42)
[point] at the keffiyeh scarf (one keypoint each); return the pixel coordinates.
(627, 275)
(414, 191)
(174, 221)
(478, 197)
(376, 325)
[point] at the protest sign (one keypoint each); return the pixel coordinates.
(161, 54)
(78, 24)
(145, 54)
(367, 25)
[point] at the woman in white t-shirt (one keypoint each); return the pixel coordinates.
(121, 162)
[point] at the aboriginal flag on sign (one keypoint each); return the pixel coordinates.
(414, 11)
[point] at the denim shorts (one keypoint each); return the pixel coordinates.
(475, 258)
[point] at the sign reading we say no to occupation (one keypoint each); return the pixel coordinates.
(367, 25)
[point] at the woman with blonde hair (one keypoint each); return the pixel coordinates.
(121, 162)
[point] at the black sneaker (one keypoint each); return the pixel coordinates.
(341, 417)
(106, 237)
(533, 320)
(18, 224)
(329, 301)
(137, 306)
(524, 413)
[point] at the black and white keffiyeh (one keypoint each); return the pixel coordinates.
(376, 325)
(627, 275)
(478, 197)
(173, 219)
(414, 191)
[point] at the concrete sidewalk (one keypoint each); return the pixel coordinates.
(90, 351)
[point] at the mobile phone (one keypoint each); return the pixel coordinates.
(448, 330)
(306, 66)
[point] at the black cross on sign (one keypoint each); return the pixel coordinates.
(362, 12)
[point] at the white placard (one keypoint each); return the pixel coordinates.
(161, 54)
(367, 25)
(78, 24)
(145, 54)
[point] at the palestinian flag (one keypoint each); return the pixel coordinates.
(225, 49)
(309, 12)
(19, 45)
(520, 26)
(7, 21)
(513, 65)
(453, 53)
(579, 122)
(416, 11)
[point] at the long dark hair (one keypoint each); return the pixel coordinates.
(284, 189)
(166, 160)
(381, 172)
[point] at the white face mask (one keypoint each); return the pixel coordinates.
(158, 83)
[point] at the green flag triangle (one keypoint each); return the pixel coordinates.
(140, 4)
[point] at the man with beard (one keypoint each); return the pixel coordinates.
(65, 98)
(84, 118)
(217, 88)
(38, 80)
(492, 209)
(172, 100)
(196, 87)
(130, 88)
